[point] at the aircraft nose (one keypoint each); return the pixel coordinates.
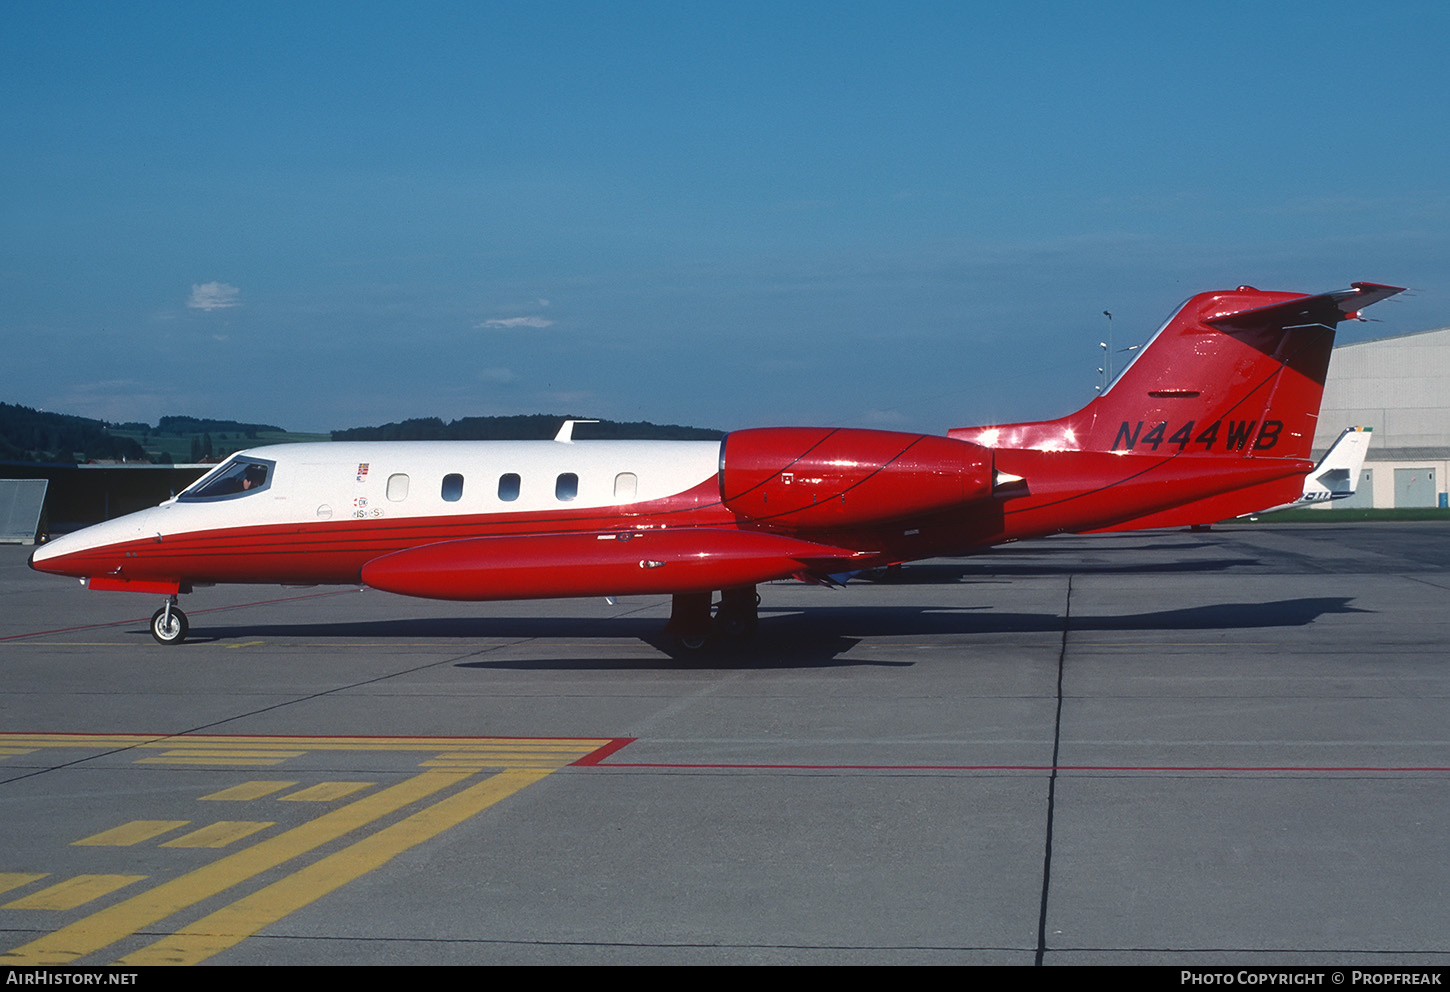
(44, 557)
(86, 552)
(44, 552)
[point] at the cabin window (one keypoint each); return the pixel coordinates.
(567, 487)
(236, 478)
(453, 487)
(508, 487)
(397, 487)
(626, 484)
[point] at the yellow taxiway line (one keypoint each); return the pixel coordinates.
(106, 927)
(233, 924)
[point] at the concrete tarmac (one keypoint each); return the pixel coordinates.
(1157, 748)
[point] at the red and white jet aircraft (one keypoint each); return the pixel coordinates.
(1212, 419)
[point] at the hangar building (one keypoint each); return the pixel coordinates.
(1400, 387)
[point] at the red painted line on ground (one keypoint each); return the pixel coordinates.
(597, 757)
(1252, 768)
(1033, 768)
(212, 609)
(599, 754)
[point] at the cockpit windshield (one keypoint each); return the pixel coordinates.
(238, 477)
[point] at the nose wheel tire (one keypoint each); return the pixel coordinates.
(168, 626)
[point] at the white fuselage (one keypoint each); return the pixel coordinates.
(393, 481)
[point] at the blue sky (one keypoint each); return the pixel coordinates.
(726, 214)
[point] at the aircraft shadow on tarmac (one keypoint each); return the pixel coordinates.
(813, 638)
(988, 566)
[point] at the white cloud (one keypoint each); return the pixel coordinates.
(498, 376)
(509, 322)
(884, 418)
(213, 296)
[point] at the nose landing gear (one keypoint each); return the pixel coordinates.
(168, 624)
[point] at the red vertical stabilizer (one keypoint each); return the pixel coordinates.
(1237, 374)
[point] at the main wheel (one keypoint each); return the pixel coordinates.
(738, 614)
(735, 625)
(168, 629)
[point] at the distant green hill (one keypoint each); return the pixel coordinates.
(202, 425)
(182, 448)
(28, 435)
(530, 427)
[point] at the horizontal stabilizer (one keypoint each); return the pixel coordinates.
(1325, 308)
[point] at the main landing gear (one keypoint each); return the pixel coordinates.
(735, 619)
(168, 624)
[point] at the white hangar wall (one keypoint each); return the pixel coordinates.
(1399, 387)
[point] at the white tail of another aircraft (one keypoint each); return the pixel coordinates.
(1337, 474)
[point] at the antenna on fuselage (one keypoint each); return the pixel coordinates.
(566, 432)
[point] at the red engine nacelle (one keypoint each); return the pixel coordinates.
(811, 477)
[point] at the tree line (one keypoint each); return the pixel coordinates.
(28, 435)
(526, 427)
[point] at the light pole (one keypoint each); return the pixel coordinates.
(1108, 347)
